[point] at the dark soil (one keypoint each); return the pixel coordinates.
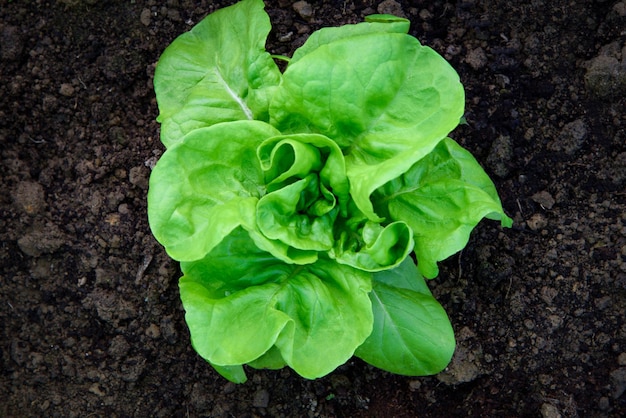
(91, 324)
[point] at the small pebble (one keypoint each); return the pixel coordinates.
(153, 331)
(29, 197)
(549, 411)
(391, 7)
(261, 399)
(229, 387)
(604, 404)
(304, 9)
(66, 90)
(414, 385)
(95, 389)
(476, 58)
(618, 382)
(544, 198)
(145, 17)
(537, 222)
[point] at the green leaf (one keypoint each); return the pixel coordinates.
(382, 97)
(282, 215)
(218, 71)
(390, 19)
(277, 248)
(442, 198)
(295, 156)
(372, 247)
(205, 186)
(283, 159)
(235, 374)
(240, 302)
(307, 186)
(272, 359)
(412, 334)
(375, 24)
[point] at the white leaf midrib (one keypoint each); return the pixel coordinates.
(239, 100)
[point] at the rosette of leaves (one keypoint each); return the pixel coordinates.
(306, 207)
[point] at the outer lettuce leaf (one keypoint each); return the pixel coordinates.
(218, 71)
(442, 198)
(401, 23)
(272, 359)
(384, 98)
(412, 334)
(235, 374)
(374, 24)
(241, 301)
(205, 186)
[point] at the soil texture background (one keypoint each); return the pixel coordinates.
(91, 324)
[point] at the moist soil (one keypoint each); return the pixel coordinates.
(91, 324)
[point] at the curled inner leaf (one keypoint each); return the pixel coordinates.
(307, 190)
(300, 215)
(372, 247)
(286, 157)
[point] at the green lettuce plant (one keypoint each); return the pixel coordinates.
(306, 207)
